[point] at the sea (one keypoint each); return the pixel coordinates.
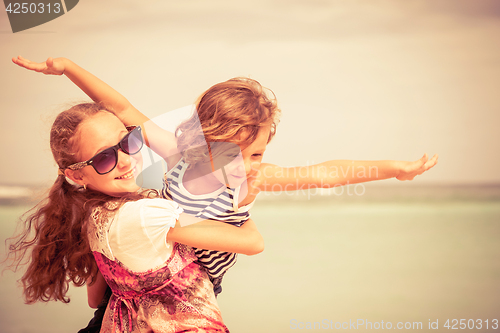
(402, 256)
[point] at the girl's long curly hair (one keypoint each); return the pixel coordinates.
(54, 242)
(231, 111)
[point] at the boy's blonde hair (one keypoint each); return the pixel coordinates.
(231, 111)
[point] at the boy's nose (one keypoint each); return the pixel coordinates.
(247, 167)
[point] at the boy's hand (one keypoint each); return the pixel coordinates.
(51, 66)
(411, 169)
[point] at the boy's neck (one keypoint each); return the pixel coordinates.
(198, 183)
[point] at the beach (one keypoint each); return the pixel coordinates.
(407, 255)
(355, 80)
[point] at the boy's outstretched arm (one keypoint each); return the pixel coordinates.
(339, 172)
(161, 141)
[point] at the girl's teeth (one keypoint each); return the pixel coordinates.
(127, 175)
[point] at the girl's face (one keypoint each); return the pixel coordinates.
(97, 133)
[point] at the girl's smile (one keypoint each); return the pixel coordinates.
(96, 134)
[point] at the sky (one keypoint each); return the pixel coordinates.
(366, 80)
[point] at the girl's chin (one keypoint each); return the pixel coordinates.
(128, 189)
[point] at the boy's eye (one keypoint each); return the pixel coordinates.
(257, 155)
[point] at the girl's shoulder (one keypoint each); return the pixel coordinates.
(150, 206)
(141, 209)
(151, 217)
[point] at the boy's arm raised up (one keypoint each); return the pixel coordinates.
(158, 139)
(339, 172)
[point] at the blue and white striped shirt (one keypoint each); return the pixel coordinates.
(221, 205)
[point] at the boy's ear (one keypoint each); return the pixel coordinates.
(75, 176)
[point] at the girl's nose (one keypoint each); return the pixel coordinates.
(123, 159)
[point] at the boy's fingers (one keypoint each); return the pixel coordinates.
(421, 162)
(432, 162)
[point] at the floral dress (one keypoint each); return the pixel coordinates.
(175, 296)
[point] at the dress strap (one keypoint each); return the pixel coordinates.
(118, 300)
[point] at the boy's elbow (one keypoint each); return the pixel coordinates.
(257, 246)
(260, 247)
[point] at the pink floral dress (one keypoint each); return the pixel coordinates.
(175, 297)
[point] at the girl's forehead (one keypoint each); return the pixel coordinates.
(97, 132)
(101, 123)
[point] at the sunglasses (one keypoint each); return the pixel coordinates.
(105, 161)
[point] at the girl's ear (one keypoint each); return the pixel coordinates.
(75, 176)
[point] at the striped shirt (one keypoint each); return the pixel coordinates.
(221, 205)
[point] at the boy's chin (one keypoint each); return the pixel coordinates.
(236, 181)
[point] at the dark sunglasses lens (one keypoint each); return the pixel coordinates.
(105, 161)
(132, 143)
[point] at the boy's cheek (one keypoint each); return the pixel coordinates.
(255, 169)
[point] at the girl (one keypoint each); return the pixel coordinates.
(234, 121)
(134, 237)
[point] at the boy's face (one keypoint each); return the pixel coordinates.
(252, 154)
(244, 160)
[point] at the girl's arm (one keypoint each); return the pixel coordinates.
(161, 141)
(216, 235)
(96, 290)
(339, 172)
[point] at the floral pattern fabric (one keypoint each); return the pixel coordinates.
(176, 297)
